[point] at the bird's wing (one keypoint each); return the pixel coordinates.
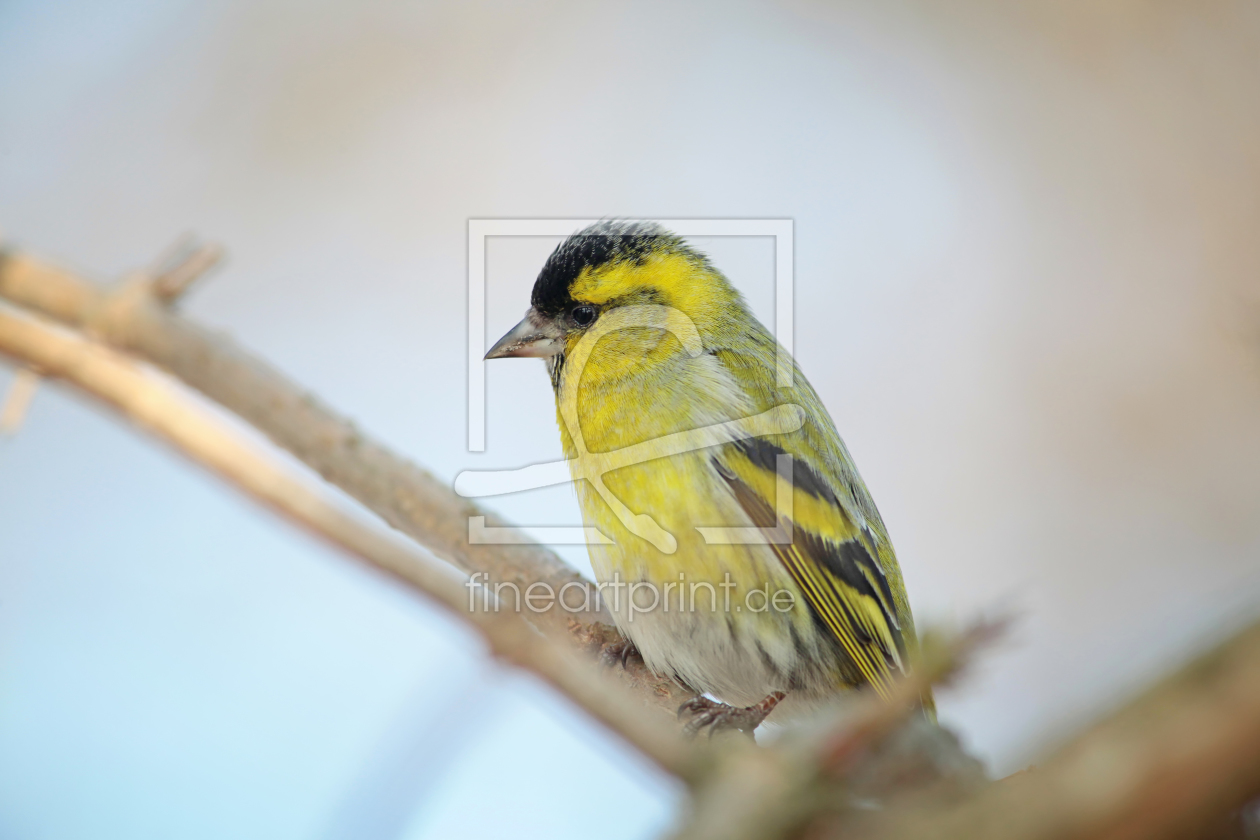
(833, 557)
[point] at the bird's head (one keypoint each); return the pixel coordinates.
(614, 265)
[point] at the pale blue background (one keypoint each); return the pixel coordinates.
(1026, 289)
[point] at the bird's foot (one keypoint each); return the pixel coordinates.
(620, 650)
(718, 717)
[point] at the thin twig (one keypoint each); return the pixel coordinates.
(161, 408)
(939, 661)
(18, 402)
(169, 285)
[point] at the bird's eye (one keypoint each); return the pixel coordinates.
(583, 316)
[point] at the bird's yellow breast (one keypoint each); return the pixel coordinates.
(668, 392)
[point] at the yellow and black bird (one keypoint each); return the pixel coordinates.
(655, 357)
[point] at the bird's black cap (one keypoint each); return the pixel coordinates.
(600, 244)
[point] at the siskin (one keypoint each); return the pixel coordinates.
(755, 564)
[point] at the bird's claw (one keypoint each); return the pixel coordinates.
(622, 650)
(719, 717)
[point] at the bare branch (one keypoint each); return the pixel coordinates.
(1171, 764)
(1177, 762)
(406, 496)
(161, 408)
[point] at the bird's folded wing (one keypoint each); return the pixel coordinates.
(830, 556)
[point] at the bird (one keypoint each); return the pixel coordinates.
(713, 479)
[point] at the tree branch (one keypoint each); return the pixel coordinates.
(409, 498)
(160, 408)
(1172, 763)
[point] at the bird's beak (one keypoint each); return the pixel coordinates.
(535, 336)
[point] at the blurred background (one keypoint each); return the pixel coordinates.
(1027, 287)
